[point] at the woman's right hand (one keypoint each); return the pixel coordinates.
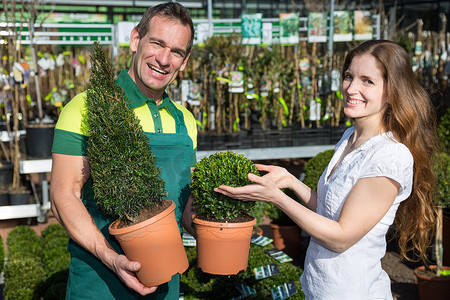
(279, 175)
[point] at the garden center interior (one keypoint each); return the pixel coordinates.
(262, 80)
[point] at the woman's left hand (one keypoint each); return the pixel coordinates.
(263, 190)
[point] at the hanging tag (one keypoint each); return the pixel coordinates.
(260, 240)
(17, 75)
(237, 82)
(279, 255)
(60, 60)
(304, 65)
(284, 291)
(335, 80)
(266, 271)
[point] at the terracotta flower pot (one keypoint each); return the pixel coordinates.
(155, 243)
(432, 288)
(222, 248)
(287, 238)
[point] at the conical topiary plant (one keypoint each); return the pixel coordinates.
(123, 168)
(127, 182)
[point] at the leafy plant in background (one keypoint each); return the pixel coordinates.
(441, 164)
(315, 167)
(123, 168)
(443, 132)
(200, 285)
(39, 270)
(24, 241)
(442, 173)
(2, 255)
(23, 274)
(56, 257)
(221, 168)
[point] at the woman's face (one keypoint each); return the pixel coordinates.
(364, 89)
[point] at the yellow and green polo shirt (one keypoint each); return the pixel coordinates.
(71, 134)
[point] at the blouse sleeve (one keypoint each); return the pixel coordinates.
(393, 161)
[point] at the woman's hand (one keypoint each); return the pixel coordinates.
(264, 189)
(280, 176)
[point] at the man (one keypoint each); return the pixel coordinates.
(161, 44)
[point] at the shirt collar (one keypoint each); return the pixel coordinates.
(135, 97)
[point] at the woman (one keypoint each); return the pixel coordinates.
(381, 170)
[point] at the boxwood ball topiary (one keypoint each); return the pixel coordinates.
(222, 168)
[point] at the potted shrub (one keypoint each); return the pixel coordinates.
(127, 182)
(287, 236)
(223, 225)
(434, 281)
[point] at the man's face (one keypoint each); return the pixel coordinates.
(159, 55)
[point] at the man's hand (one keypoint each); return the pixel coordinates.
(126, 269)
(187, 216)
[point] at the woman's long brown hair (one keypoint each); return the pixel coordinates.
(411, 118)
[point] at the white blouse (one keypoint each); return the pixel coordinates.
(356, 273)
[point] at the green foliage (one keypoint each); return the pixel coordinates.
(315, 167)
(123, 168)
(37, 268)
(443, 132)
(2, 254)
(258, 211)
(200, 285)
(222, 168)
(441, 164)
(56, 257)
(21, 232)
(23, 274)
(52, 228)
(23, 240)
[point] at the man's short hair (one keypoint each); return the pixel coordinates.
(172, 11)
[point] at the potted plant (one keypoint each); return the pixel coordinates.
(223, 225)
(127, 182)
(286, 234)
(434, 281)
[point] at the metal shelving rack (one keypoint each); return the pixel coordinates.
(42, 206)
(43, 166)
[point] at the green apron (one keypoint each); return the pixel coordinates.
(89, 278)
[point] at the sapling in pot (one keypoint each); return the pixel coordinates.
(222, 168)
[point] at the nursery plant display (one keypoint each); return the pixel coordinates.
(199, 285)
(434, 281)
(287, 236)
(220, 216)
(34, 270)
(126, 180)
(24, 269)
(315, 167)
